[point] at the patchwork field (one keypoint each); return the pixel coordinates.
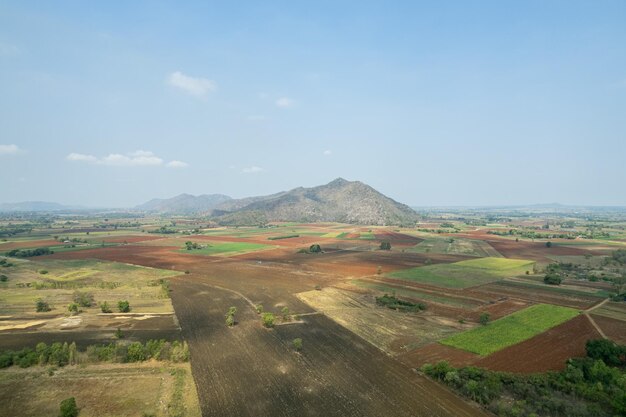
(511, 329)
(357, 357)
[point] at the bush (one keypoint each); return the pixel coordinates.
(315, 248)
(68, 408)
(42, 306)
(552, 279)
(268, 320)
(4, 278)
(73, 308)
(385, 245)
(484, 318)
(83, 299)
(123, 306)
(104, 307)
(297, 344)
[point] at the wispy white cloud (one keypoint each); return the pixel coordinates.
(195, 86)
(284, 102)
(328, 152)
(9, 149)
(134, 159)
(252, 170)
(177, 164)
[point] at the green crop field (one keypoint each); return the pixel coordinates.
(465, 274)
(227, 248)
(456, 246)
(510, 330)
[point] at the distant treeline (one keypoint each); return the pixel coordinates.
(28, 253)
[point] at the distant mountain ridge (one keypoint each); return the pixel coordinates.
(338, 201)
(184, 203)
(32, 206)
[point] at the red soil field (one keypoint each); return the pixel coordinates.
(613, 328)
(547, 351)
(130, 239)
(436, 352)
(28, 244)
(396, 238)
(499, 309)
(498, 290)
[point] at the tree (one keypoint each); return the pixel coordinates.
(285, 313)
(41, 306)
(68, 408)
(548, 244)
(608, 351)
(297, 344)
(123, 306)
(385, 245)
(484, 318)
(105, 308)
(552, 278)
(4, 278)
(268, 320)
(315, 248)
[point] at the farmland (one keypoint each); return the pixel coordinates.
(466, 274)
(357, 357)
(510, 330)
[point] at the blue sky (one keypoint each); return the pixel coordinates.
(432, 103)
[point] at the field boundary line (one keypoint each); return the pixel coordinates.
(595, 325)
(600, 304)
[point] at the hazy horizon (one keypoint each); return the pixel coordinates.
(464, 104)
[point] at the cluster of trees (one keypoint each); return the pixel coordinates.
(315, 248)
(385, 245)
(189, 245)
(62, 354)
(530, 234)
(591, 386)
(394, 303)
(28, 253)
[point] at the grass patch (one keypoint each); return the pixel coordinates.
(512, 329)
(465, 274)
(227, 248)
(456, 246)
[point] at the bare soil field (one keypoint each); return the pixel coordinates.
(536, 295)
(251, 371)
(7, 246)
(613, 328)
(547, 351)
(436, 352)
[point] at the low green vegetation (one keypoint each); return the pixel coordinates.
(510, 330)
(62, 354)
(29, 253)
(588, 387)
(227, 248)
(465, 273)
(455, 245)
(268, 319)
(282, 237)
(394, 303)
